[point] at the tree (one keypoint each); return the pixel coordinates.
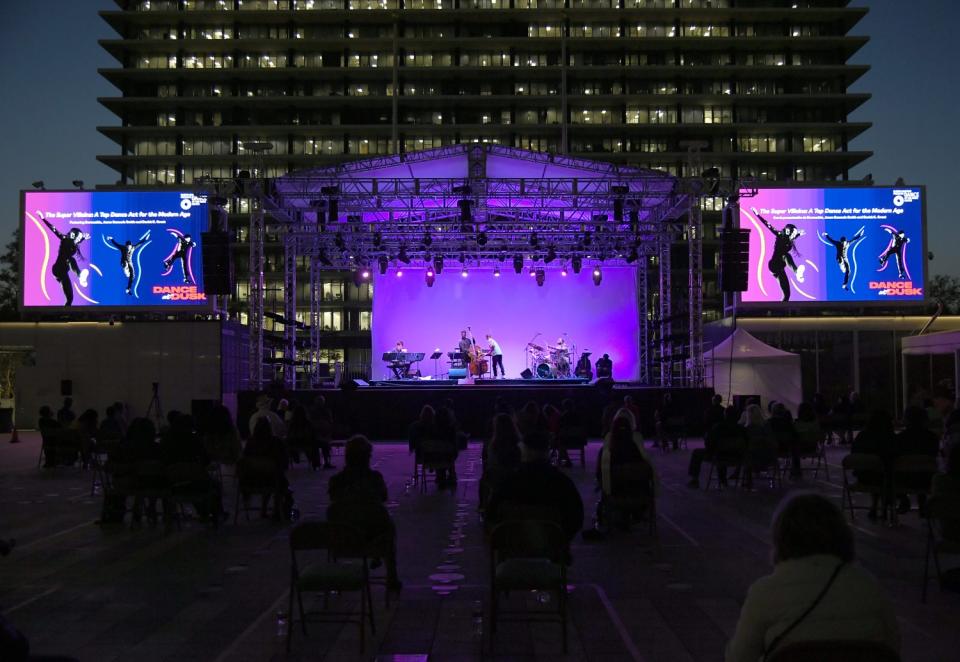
(946, 289)
(10, 279)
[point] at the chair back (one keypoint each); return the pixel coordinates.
(915, 464)
(834, 651)
(369, 518)
(523, 512)
(634, 479)
(341, 540)
(573, 438)
(863, 462)
(187, 473)
(528, 539)
(258, 473)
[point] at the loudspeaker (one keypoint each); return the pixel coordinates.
(217, 263)
(527, 374)
(66, 387)
(457, 373)
(734, 264)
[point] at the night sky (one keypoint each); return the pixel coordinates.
(50, 110)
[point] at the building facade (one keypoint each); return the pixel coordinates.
(760, 87)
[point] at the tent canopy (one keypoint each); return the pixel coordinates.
(756, 369)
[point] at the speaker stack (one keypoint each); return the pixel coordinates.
(734, 267)
(217, 263)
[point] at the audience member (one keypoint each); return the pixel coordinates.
(263, 411)
(321, 418)
(816, 591)
(503, 450)
(357, 497)
(946, 487)
(725, 443)
(45, 419)
(263, 444)
(785, 435)
(300, 437)
(181, 444)
(915, 439)
(623, 445)
(65, 415)
(422, 429)
(447, 437)
(669, 420)
(538, 484)
(221, 440)
(551, 421)
(715, 413)
(761, 450)
(530, 420)
(876, 438)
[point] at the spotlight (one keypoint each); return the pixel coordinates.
(465, 215)
(551, 255)
(402, 256)
(541, 276)
(429, 277)
(399, 273)
(597, 276)
(463, 273)
(365, 274)
(532, 272)
(496, 272)
(78, 183)
(438, 264)
(563, 271)
(577, 263)
(534, 239)
(427, 239)
(482, 238)
(383, 262)
(632, 256)
(518, 263)
(377, 239)
(39, 185)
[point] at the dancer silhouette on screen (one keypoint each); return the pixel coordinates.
(127, 250)
(898, 244)
(783, 250)
(67, 260)
(842, 246)
(184, 244)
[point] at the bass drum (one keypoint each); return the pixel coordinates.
(545, 371)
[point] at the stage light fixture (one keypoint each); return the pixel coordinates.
(563, 271)
(438, 264)
(496, 272)
(464, 273)
(429, 277)
(632, 256)
(618, 210)
(383, 263)
(587, 238)
(402, 256)
(534, 239)
(465, 214)
(427, 239)
(597, 276)
(365, 274)
(532, 272)
(518, 263)
(377, 239)
(482, 238)
(78, 183)
(399, 273)
(634, 221)
(39, 185)
(541, 276)
(551, 255)
(577, 263)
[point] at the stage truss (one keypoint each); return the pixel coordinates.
(469, 206)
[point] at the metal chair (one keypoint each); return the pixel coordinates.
(730, 453)
(528, 555)
(911, 474)
(834, 651)
(256, 476)
(574, 439)
(633, 494)
(870, 478)
(339, 541)
(436, 456)
(943, 535)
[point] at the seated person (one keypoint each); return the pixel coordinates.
(538, 484)
(264, 445)
(946, 487)
(816, 591)
(724, 441)
(915, 439)
(501, 455)
(357, 497)
(623, 445)
(604, 366)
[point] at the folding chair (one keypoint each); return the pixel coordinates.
(870, 478)
(911, 474)
(435, 456)
(256, 476)
(338, 541)
(528, 555)
(574, 439)
(730, 452)
(634, 494)
(943, 535)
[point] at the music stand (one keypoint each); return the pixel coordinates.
(436, 362)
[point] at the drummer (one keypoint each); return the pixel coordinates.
(561, 355)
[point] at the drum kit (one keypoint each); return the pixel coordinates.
(549, 362)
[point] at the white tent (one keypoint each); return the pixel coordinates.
(756, 369)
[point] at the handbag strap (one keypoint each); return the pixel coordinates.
(801, 617)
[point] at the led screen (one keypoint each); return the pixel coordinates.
(113, 249)
(835, 245)
(514, 310)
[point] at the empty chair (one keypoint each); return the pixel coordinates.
(328, 572)
(528, 555)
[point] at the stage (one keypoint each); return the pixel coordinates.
(385, 411)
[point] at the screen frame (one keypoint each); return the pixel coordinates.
(844, 305)
(86, 312)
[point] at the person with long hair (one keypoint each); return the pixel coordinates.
(816, 592)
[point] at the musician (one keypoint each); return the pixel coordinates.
(497, 356)
(399, 347)
(466, 342)
(604, 366)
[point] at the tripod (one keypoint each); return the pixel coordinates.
(154, 406)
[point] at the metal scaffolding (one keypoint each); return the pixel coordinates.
(550, 211)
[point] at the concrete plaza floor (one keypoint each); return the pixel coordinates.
(143, 594)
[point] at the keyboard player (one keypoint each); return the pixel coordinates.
(400, 365)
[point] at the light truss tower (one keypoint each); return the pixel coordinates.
(695, 291)
(290, 252)
(256, 295)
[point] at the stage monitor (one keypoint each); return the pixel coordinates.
(835, 245)
(114, 250)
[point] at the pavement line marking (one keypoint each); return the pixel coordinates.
(679, 530)
(229, 651)
(30, 601)
(52, 536)
(617, 623)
